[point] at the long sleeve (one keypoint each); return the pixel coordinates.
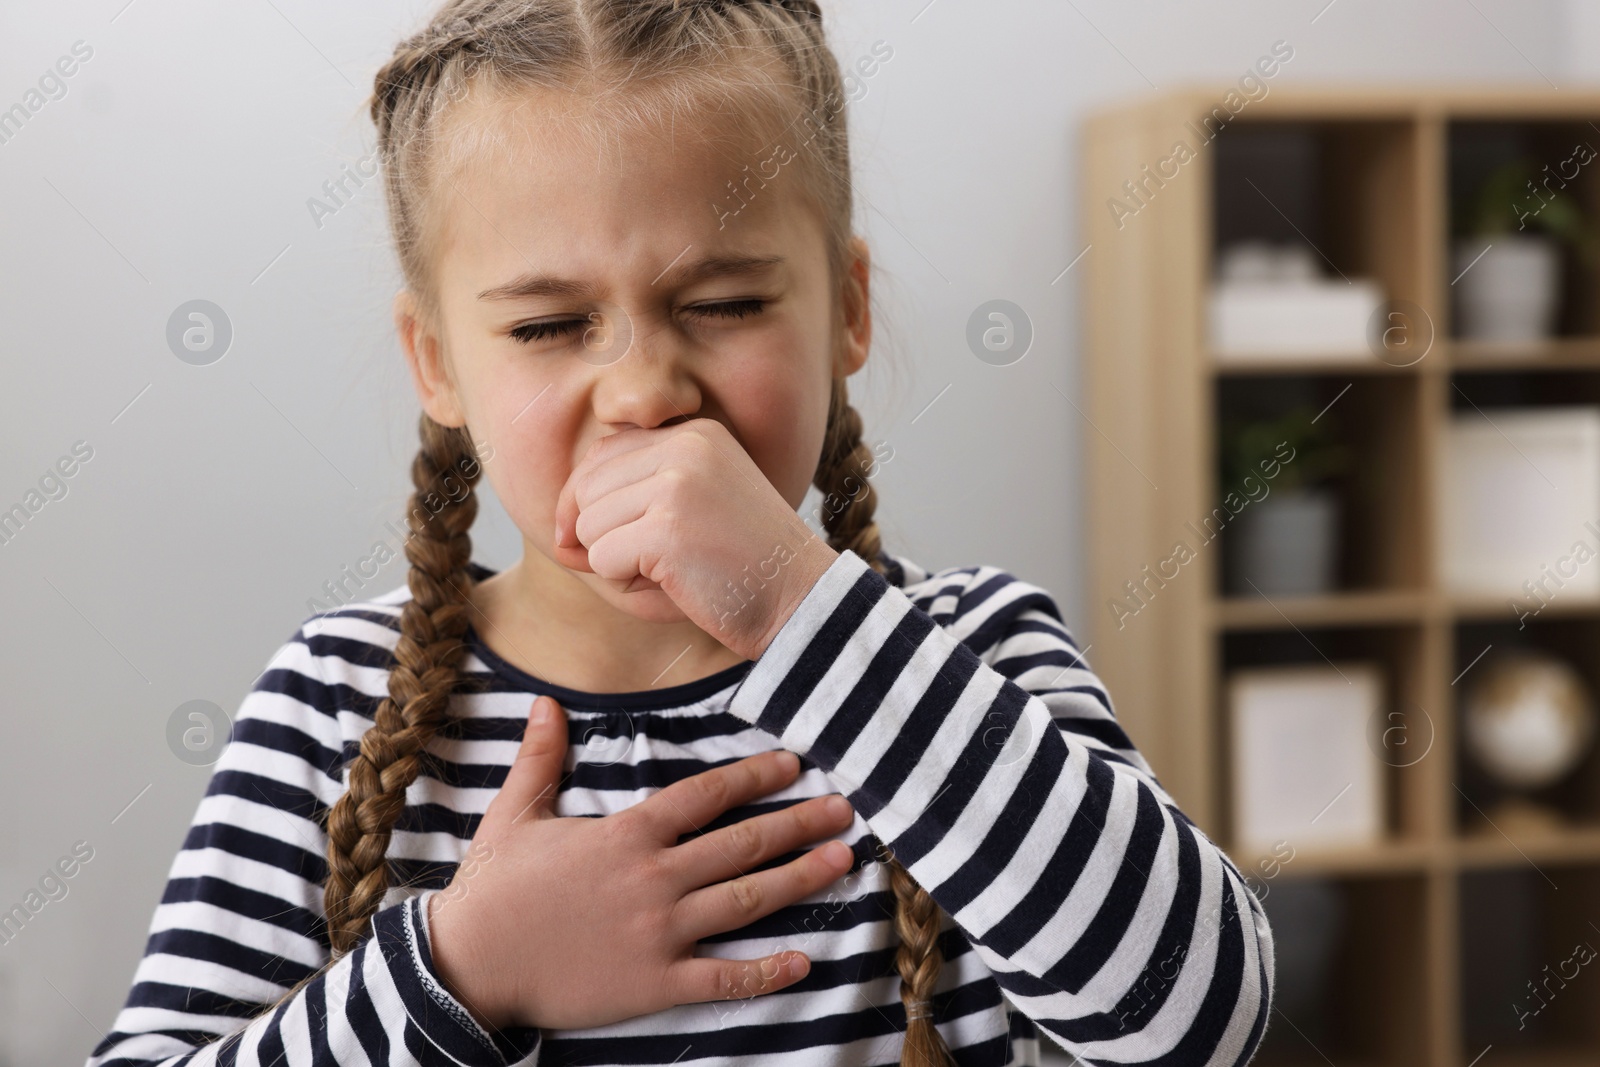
(241, 920)
(978, 746)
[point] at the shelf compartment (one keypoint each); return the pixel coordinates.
(1346, 188)
(1576, 798)
(1521, 386)
(1352, 976)
(1378, 420)
(1399, 653)
(1475, 148)
(1518, 930)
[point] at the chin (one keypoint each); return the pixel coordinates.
(648, 602)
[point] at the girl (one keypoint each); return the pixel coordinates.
(633, 298)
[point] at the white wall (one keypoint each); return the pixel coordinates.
(178, 166)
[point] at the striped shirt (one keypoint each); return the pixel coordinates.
(952, 709)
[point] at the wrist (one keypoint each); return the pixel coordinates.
(810, 562)
(456, 961)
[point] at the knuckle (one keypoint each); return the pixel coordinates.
(756, 981)
(691, 447)
(621, 826)
(817, 871)
(747, 980)
(812, 817)
(700, 441)
(654, 868)
(744, 839)
(716, 789)
(746, 894)
(691, 436)
(580, 485)
(728, 983)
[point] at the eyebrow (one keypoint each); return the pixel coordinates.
(530, 284)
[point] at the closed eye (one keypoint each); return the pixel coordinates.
(731, 309)
(553, 328)
(544, 331)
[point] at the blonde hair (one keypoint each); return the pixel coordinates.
(638, 57)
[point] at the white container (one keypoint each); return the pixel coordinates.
(1310, 317)
(1286, 544)
(1511, 293)
(1304, 772)
(1519, 489)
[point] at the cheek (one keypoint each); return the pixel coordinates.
(780, 418)
(532, 452)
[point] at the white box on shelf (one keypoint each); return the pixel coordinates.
(1252, 320)
(1304, 771)
(1519, 489)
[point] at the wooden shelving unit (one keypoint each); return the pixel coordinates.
(1445, 921)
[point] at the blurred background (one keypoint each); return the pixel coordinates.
(1348, 332)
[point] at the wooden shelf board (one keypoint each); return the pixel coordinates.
(1556, 354)
(1369, 101)
(1475, 609)
(1490, 850)
(1471, 851)
(1362, 363)
(1397, 856)
(1562, 1055)
(1361, 608)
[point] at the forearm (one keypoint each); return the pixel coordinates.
(380, 1004)
(1029, 819)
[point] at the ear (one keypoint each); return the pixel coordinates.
(429, 371)
(857, 336)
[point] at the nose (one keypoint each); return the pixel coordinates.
(650, 386)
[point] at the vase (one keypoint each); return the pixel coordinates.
(1511, 292)
(1285, 544)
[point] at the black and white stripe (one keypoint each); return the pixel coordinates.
(952, 709)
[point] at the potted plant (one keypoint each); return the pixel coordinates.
(1508, 262)
(1285, 537)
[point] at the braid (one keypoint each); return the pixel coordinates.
(432, 623)
(414, 69)
(806, 9)
(427, 657)
(840, 470)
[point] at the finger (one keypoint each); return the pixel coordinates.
(566, 549)
(600, 449)
(593, 479)
(702, 978)
(573, 557)
(633, 555)
(620, 441)
(565, 546)
(690, 803)
(531, 784)
(617, 508)
(743, 846)
(615, 444)
(740, 901)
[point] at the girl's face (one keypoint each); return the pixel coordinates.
(582, 293)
